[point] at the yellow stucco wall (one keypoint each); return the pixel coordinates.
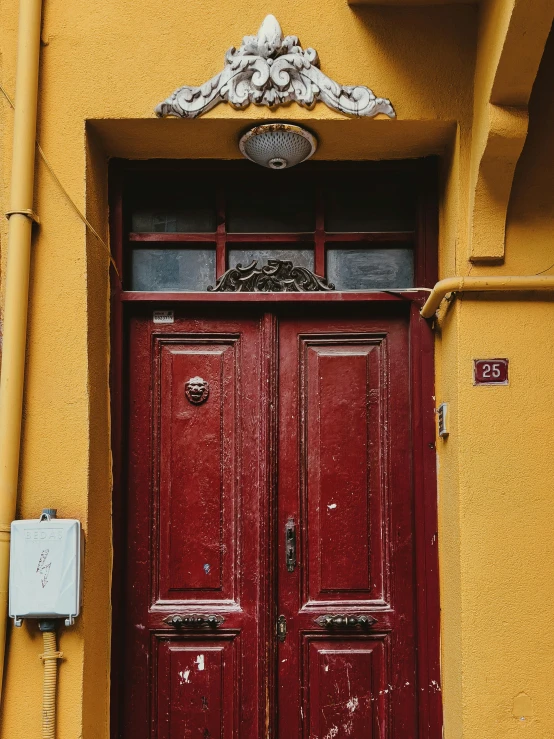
(104, 68)
(496, 470)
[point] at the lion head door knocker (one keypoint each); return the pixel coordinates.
(197, 390)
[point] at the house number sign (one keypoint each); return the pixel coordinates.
(490, 371)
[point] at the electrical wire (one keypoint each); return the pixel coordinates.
(545, 270)
(50, 659)
(81, 215)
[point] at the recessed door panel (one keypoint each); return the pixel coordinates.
(198, 465)
(194, 689)
(342, 418)
(345, 688)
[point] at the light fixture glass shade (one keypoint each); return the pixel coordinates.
(277, 145)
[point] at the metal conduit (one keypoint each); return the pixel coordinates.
(482, 284)
(21, 219)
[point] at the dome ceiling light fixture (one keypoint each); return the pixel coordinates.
(278, 145)
(271, 69)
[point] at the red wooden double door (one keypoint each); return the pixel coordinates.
(269, 561)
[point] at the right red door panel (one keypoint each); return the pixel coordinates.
(346, 666)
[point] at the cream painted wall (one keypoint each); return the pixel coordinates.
(105, 65)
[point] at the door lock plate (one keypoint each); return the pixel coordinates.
(290, 544)
(281, 628)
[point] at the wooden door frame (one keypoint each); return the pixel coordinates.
(421, 340)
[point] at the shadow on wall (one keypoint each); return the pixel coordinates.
(531, 212)
(428, 52)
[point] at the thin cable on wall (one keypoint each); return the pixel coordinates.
(545, 270)
(81, 215)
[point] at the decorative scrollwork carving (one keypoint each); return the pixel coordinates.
(278, 276)
(268, 69)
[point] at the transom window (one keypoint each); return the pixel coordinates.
(352, 224)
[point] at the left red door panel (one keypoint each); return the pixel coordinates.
(195, 570)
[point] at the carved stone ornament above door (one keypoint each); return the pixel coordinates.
(268, 69)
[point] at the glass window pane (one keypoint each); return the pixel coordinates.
(351, 207)
(370, 269)
(175, 269)
(299, 257)
(271, 205)
(173, 207)
(193, 220)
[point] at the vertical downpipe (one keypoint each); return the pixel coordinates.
(21, 218)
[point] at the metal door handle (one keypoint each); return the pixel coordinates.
(343, 621)
(290, 544)
(193, 620)
(281, 628)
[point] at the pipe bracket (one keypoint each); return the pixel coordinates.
(29, 213)
(49, 656)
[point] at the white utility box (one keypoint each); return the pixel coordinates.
(46, 557)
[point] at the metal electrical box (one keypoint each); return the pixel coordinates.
(46, 557)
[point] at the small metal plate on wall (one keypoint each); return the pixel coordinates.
(490, 371)
(163, 316)
(442, 413)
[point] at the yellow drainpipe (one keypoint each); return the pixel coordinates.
(21, 219)
(482, 284)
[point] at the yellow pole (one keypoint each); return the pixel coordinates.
(483, 284)
(17, 285)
